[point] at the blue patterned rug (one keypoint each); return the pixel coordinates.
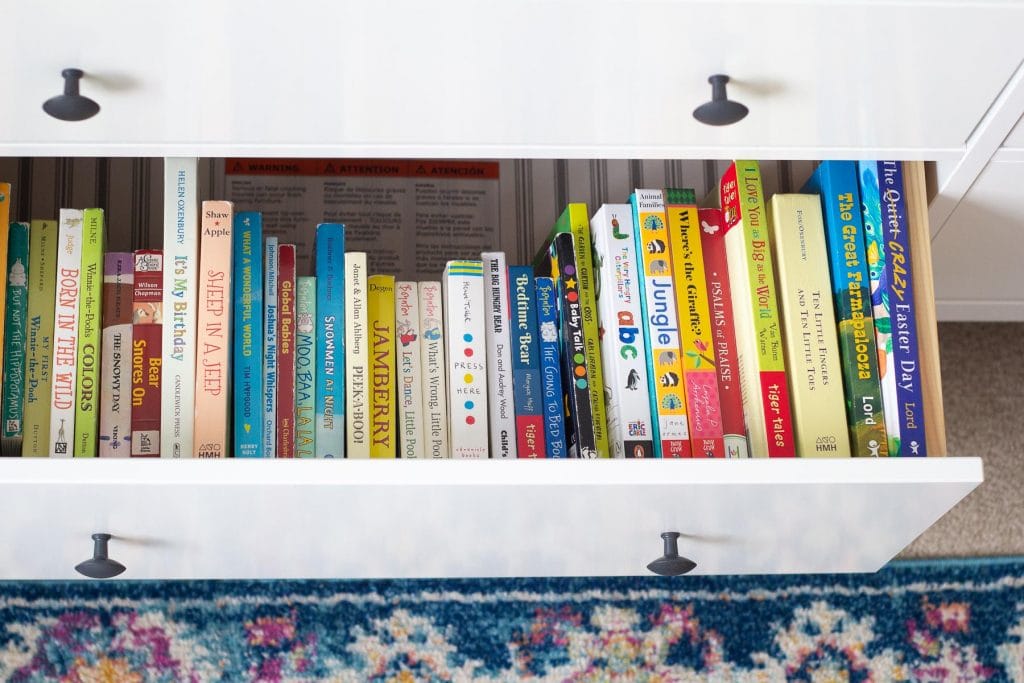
(945, 621)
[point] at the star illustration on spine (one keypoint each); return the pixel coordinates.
(570, 283)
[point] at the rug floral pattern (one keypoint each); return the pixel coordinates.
(914, 621)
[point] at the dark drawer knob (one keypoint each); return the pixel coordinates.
(671, 563)
(99, 566)
(71, 106)
(720, 111)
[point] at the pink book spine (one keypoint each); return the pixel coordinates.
(286, 351)
(213, 370)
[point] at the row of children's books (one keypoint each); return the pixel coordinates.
(655, 328)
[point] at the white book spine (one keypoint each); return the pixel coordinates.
(357, 357)
(435, 400)
(65, 333)
(270, 282)
(181, 291)
(499, 357)
(409, 370)
(465, 322)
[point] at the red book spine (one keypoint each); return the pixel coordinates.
(147, 319)
(723, 331)
(286, 352)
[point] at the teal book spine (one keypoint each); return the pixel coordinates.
(248, 343)
(836, 183)
(329, 259)
(15, 325)
(305, 368)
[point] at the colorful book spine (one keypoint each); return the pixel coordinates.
(213, 364)
(65, 333)
(435, 395)
(550, 368)
(329, 258)
(90, 317)
(270, 328)
(666, 389)
(623, 349)
(464, 333)
(286, 351)
(529, 406)
(115, 378)
(409, 367)
(380, 310)
(900, 280)
(808, 326)
(147, 340)
(181, 287)
(755, 308)
(836, 183)
(357, 358)
(306, 370)
(703, 405)
(500, 400)
(575, 220)
(875, 254)
(5, 217)
(577, 384)
(42, 270)
(16, 338)
(716, 272)
(248, 325)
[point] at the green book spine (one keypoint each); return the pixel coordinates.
(305, 368)
(42, 288)
(87, 393)
(15, 336)
(574, 220)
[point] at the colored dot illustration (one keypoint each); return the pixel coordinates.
(572, 296)
(470, 420)
(469, 405)
(581, 383)
(570, 269)
(578, 358)
(468, 378)
(468, 352)
(467, 337)
(581, 371)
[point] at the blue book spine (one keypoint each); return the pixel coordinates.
(526, 380)
(902, 316)
(329, 260)
(247, 253)
(270, 348)
(550, 369)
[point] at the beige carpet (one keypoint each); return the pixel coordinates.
(983, 393)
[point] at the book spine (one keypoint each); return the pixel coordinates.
(875, 255)
(270, 328)
(115, 439)
(661, 329)
(42, 272)
(716, 272)
(357, 356)
(248, 344)
(380, 309)
(808, 325)
(213, 363)
(90, 319)
(756, 313)
(576, 381)
(180, 303)
(526, 388)
(16, 313)
(306, 370)
(836, 182)
(703, 405)
(623, 349)
(330, 347)
(286, 351)
(435, 395)
(5, 217)
(464, 332)
(579, 226)
(900, 280)
(550, 368)
(500, 400)
(65, 333)
(147, 341)
(409, 366)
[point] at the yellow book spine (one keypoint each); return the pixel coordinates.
(383, 407)
(808, 326)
